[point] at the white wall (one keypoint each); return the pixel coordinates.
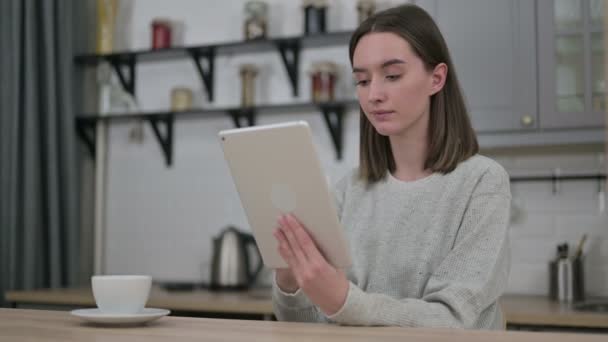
(160, 220)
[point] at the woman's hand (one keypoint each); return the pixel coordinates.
(325, 285)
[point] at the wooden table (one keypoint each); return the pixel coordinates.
(18, 325)
(255, 303)
(520, 311)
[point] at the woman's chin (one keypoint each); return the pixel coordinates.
(386, 129)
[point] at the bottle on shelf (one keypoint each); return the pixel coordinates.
(248, 75)
(106, 19)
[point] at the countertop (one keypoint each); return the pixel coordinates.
(518, 310)
(539, 310)
(39, 325)
(255, 301)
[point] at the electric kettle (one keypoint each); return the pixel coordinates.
(231, 266)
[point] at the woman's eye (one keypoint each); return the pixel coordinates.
(393, 77)
(362, 82)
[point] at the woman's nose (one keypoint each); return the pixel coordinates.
(376, 92)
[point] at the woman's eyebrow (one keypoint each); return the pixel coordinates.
(392, 61)
(383, 65)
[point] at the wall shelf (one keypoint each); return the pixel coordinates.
(552, 178)
(203, 57)
(333, 113)
(556, 178)
(288, 47)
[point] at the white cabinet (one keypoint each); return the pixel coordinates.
(572, 85)
(493, 47)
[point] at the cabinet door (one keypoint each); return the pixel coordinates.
(493, 47)
(571, 63)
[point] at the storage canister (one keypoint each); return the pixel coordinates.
(256, 20)
(181, 99)
(365, 9)
(314, 16)
(161, 34)
(323, 81)
(248, 73)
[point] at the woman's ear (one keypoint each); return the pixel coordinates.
(438, 77)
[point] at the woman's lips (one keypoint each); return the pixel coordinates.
(382, 114)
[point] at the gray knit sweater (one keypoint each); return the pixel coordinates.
(432, 252)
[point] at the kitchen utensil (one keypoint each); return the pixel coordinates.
(231, 266)
(579, 249)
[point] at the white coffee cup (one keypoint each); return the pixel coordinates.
(121, 294)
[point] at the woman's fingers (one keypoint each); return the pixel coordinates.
(305, 241)
(285, 249)
(289, 232)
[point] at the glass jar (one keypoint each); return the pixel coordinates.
(323, 81)
(161, 34)
(248, 73)
(181, 99)
(256, 20)
(365, 9)
(314, 16)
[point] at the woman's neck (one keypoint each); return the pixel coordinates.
(410, 152)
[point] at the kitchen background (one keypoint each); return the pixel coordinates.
(160, 220)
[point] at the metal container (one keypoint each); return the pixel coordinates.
(567, 279)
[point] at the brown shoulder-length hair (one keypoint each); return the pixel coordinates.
(451, 136)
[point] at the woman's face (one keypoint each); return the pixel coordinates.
(393, 85)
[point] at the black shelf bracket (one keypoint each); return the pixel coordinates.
(334, 118)
(205, 71)
(242, 117)
(165, 141)
(86, 132)
(128, 83)
(290, 55)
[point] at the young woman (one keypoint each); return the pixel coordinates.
(425, 215)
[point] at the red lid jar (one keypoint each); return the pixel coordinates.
(161, 34)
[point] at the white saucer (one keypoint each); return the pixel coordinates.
(96, 316)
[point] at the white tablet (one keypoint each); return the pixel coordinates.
(276, 170)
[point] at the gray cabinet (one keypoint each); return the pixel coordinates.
(493, 46)
(571, 63)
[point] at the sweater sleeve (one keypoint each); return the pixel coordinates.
(294, 307)
(467, 282)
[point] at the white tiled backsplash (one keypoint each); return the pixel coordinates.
(541, 219)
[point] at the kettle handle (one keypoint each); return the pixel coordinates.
(249, 239)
